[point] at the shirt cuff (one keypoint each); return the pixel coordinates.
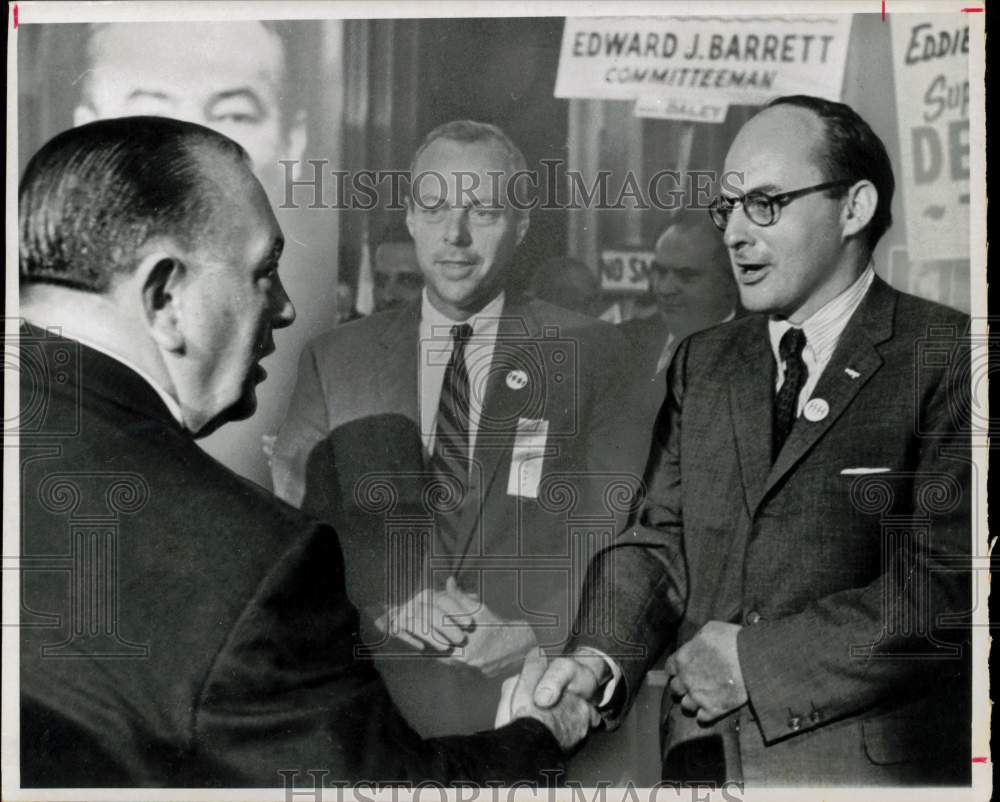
(610, 685)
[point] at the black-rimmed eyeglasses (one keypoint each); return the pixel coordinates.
(761, 208)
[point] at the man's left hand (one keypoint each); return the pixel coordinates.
(705, 672)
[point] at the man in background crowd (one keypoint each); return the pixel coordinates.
(455, 439)
(397, 277)
(236, 78)
(215, 646)
(693, 285)
(802, 555)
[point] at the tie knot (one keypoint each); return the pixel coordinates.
(792, 343)
(460, 334)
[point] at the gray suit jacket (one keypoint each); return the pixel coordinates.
(350, 451)
(852, 587)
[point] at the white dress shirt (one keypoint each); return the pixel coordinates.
(822, 330)
(435, 350)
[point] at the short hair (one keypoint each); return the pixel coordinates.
(470, 132)
(853, 152)
(93, 195)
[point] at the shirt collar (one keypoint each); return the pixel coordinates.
(435, 324)
(824, 327)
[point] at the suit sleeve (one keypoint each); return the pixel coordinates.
(634, 594)
(617, 443)
(855, 648)
(305, 425)
(287, 694)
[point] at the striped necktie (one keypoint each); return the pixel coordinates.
(451, 438)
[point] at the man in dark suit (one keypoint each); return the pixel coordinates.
(180, 625)
(693, 285)
(803, 552)
(517, 406)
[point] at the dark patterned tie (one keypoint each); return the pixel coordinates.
(786, 402)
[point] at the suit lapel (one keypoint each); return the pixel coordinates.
(397, 376)
(856, 352)
(750, 399)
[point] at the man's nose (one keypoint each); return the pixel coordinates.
(456, 227)
(737, 233)
(284, 310)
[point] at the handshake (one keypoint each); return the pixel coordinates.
(561, 695)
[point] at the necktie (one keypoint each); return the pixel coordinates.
(786, 402)
(450, 460)
(451, 438)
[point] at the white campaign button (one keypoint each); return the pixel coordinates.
(517, 380)
(816, 409)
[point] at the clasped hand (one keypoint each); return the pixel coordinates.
(459, 628)
(569, 718)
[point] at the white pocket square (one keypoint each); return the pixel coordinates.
(863, 471)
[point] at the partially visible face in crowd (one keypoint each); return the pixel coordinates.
(397, 275)
(793, 267)
(234, 302)
(225, 76)
(465, 238)
(690, 277)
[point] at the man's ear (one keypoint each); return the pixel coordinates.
(859, 207)
(409, 218)
(523, 223)
(83, 114)
(161, 278)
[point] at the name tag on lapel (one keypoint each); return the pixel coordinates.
(527, 457)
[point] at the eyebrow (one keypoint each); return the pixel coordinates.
(241, 93)
(767, 189)
(138, 93)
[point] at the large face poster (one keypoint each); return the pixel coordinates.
(480, 401)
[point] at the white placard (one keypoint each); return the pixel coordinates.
(723, 60)
(625, 270)
(931, 57)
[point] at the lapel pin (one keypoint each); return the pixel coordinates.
(851, 372)
(816, 409)
(517, 380)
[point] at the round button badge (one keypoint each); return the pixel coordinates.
(517, 380)
(816, 409)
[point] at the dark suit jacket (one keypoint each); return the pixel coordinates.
(180, 625)
(351, 447)
(852, 588)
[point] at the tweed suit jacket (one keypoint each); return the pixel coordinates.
(350, 451)
(845, 561)
(183, 627)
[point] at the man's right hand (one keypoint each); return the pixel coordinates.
(435, 619)
(569, 720)
(582, 673)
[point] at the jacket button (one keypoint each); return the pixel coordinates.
(794, 723)
(753, 617)
(815, 717)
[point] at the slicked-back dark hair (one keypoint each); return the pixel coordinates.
(854, 152)
(93, 195)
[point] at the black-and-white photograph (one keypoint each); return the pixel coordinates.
(522, 398)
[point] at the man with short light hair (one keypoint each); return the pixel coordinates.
(463, 436)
